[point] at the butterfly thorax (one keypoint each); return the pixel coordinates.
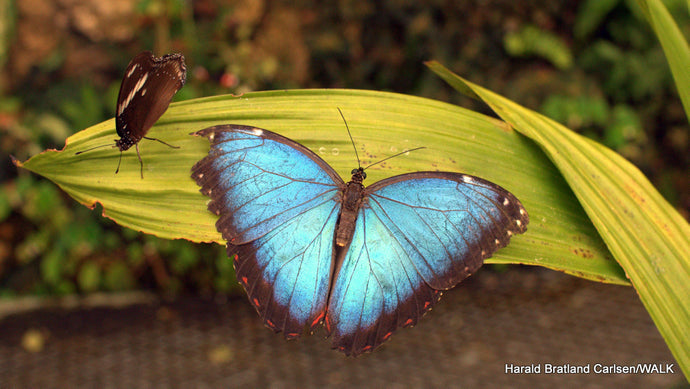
(352, 198)
(125, 143)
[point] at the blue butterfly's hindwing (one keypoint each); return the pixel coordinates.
(364, 261)
(287, 280)
(278, 204)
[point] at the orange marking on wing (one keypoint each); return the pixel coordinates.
(318, 318)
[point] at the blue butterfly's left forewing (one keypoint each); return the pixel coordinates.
(278, 205)
(416, 234)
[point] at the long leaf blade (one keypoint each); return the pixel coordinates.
(167, 202)
(674, 45)
(648, 238)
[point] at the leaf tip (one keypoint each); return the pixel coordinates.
(16, 162)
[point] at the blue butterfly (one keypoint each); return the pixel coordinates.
(312, 249)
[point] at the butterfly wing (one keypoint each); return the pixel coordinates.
(416, 235)
(278, 204)
(147, 88)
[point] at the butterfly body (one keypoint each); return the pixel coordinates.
(353, 194)
(147, 88)
(363, 261)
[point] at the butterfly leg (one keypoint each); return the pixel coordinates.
(141, 163)
(167, 144)
(118, 163)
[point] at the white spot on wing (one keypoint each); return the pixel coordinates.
(129, 74)
(133, 92)
(506, 202)
(257, 131)
(497, 242)
(467, 179)
(522, 211)
(519, 223)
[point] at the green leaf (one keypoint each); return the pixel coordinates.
(118, 277)
(674, 44)
(530, 40)
(89, 277)
(590, 15)
(647, 236)
(167, 202)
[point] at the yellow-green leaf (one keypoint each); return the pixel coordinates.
(167, 202)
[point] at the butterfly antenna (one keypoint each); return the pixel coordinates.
(350, 134)
(93, 148)
(357, 155)
(394, 155)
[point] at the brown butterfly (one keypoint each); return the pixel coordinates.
(147, 88)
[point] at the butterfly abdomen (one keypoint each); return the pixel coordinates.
(352, 198)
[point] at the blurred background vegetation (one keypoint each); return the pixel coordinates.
(593, 65)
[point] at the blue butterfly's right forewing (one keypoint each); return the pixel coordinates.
(452, 222)
(416, 235)
(278, 205)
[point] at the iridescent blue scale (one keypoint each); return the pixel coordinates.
(312, 249)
